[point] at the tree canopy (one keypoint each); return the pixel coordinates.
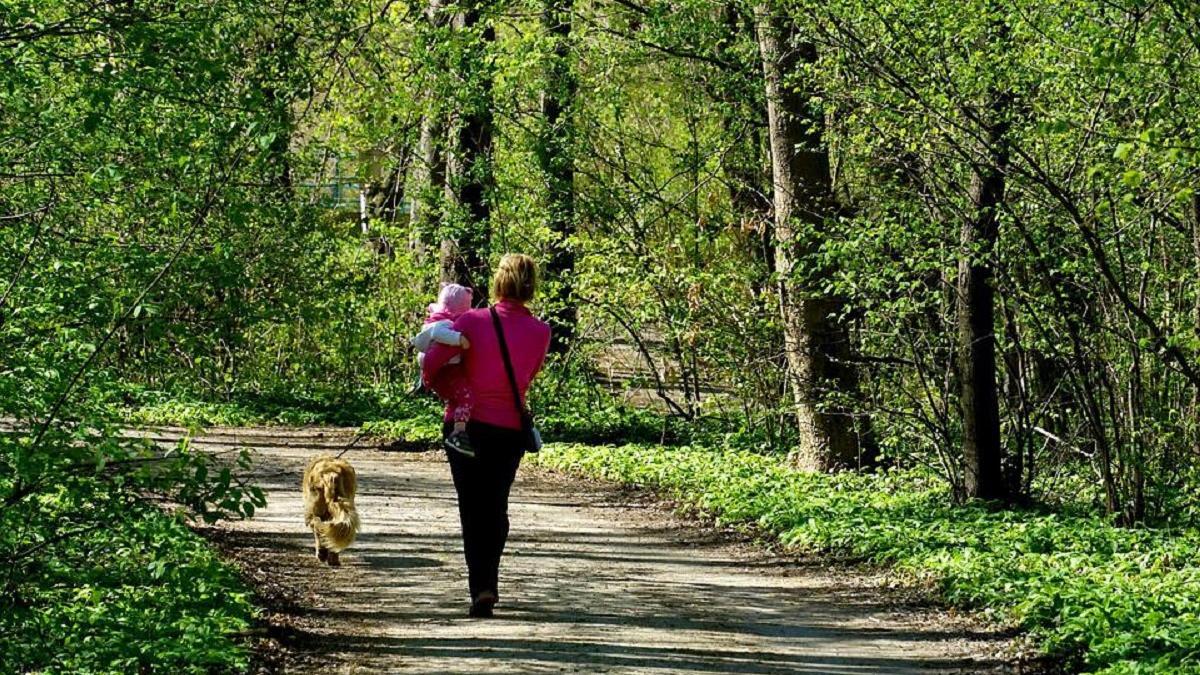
(954, 236)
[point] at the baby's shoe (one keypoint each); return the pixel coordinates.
(459, 442)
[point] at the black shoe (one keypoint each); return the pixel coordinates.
(482, 607)
(460, 444)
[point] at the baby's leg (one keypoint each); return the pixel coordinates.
(460, 413)
(461, 410)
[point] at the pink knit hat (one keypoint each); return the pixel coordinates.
(452, 301)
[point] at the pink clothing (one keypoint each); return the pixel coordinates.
(450, 384)
(453, 301)
(452, 387)
(528, 340)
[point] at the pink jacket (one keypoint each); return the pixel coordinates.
(528, 340)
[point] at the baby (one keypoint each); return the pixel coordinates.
(451, 383)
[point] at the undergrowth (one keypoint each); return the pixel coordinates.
(245, 408)
(142, 593)
(399, 414)
(1101, 598)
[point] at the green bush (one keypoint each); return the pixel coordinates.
(1104, 599)
(95, 576)
(426, 429)
(140, 594)
(243, 408)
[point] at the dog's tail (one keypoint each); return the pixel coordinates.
(341, 529)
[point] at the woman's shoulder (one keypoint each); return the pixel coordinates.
(466, 322)
(478, 314)
(541, 330)
(524, 318)
(533, 322)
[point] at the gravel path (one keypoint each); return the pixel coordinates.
(595, 580)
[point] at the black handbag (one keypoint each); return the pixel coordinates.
(532, 438)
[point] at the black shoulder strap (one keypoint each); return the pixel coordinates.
(508, 367)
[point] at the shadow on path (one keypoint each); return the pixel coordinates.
(590, 584)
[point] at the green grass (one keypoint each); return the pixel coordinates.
(416, 419)
(144, 594)
(270, 408)
(1101, 598)
(425, 429)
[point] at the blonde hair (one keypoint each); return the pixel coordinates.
(515, 279)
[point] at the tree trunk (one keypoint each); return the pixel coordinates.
(555, 154)
(815, 343)
(282, 51)
(429, 169)
(429, 174)
(384, 199)
(982, 451)
(464, 257)
(1196, 314)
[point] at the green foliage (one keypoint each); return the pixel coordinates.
(130, 590)
(246, 408)
(149, 228)
(1113, 600)
(426, 429)
(1090, 283)
(95, 576)
(169, 255)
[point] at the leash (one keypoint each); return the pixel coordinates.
(361, 435)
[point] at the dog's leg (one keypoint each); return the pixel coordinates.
(335, 560)
(322, 552)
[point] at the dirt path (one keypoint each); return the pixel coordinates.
(593, 582)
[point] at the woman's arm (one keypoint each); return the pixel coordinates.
(436, 358)
(545, 347)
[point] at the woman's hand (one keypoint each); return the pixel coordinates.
(463, 342)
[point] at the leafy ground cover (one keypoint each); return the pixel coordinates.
(341, 408)
(99, 571)
(386, 413)
(1101, 598)
(142, 593)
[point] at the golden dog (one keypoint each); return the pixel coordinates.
(329, 485)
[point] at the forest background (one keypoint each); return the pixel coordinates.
(909, 281)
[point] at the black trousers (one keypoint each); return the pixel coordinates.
(483, 483)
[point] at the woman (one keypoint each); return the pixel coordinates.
(483, 479)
